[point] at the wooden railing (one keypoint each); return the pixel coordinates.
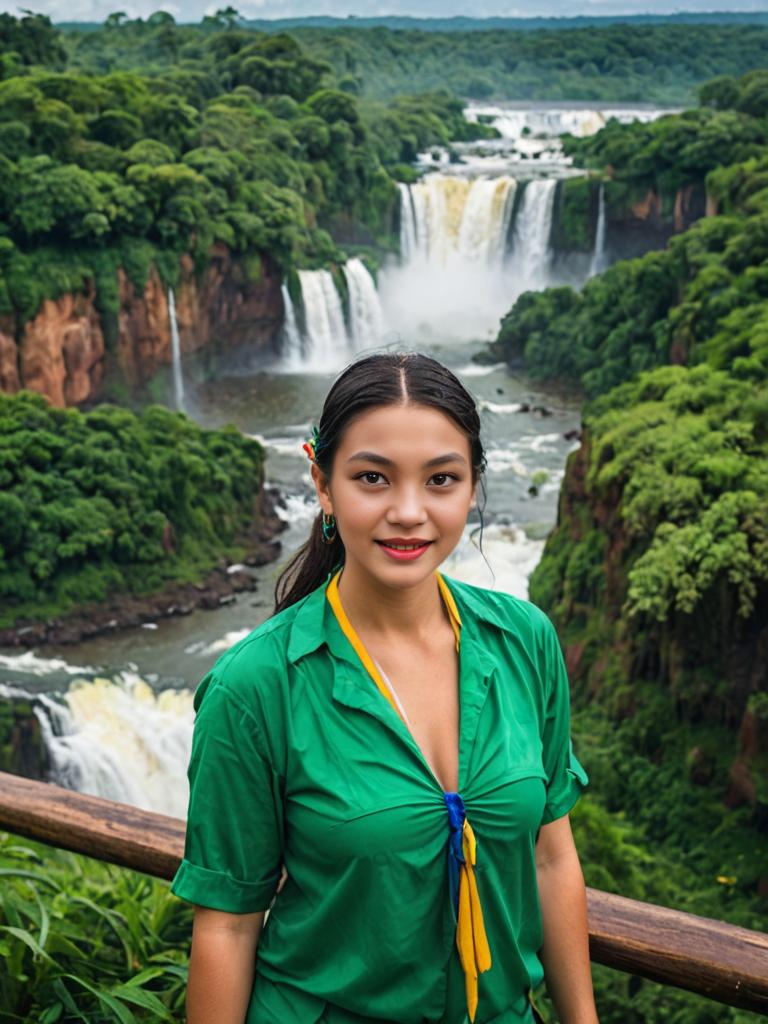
(716, 960)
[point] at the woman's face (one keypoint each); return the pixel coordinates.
(401, 488)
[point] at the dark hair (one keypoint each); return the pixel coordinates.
(376, 380)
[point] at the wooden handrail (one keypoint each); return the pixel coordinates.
(716, 960)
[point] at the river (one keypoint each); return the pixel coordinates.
(116, 712)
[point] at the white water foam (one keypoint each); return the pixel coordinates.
(117, 739)
(511, 554)
(450, 281)
(32, 664)
(206, 649)
(499, 408)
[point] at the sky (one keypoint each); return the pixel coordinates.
(193, 10)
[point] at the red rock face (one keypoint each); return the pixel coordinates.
(223, 307)
(9, 360)
(62, 350)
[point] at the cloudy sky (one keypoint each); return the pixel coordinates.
(193, 10)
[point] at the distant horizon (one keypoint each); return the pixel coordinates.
(192, 11)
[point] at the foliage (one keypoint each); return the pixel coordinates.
(29, 40)
(640, 62)
(224, 135)
(656, 574)
(85, 941)
(682, 447)
(669, 153)
(107, 501)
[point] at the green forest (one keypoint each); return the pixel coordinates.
(251, 144)
(657, 572)
(107, 501)
(636, 62)
(137, 141)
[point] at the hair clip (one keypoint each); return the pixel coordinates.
(311, 446)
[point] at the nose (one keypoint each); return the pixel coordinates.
(406, 507)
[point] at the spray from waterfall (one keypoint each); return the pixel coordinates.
(599, 260)
(178, 380)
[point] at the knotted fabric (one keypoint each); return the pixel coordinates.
(471, 940)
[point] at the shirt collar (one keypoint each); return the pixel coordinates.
(315, 624)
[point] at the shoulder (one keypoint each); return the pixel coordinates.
(504, 611)
(253, 670)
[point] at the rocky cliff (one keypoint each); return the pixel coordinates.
(70, 348)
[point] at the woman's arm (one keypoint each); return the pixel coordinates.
(563, 898)
(222, 966)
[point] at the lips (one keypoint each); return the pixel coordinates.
(404, 548)
(404, 542)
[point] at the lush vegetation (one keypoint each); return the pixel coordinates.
(702, 298)
(617, 63)
(657, 572)
(678, 150)
(250, 144)
(84, 941)
(107, 501)
(639, 61)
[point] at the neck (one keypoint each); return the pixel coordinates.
(375, 608)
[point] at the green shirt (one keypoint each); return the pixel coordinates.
(298, 758)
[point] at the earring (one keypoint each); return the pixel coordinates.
(329, 529)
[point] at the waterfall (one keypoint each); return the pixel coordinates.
(485, 219)
(598, 256)
(451, 219)
(531, 254)
(119, 740)
(291, 336)
(408, 237)
(450, 279)
(178, 380)
(366, 323)
(326, 333)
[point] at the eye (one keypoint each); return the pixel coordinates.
(443, 479)
(370, 477)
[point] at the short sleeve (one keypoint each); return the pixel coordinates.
(233, 847)
(566, 777)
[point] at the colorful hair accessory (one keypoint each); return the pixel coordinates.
(311, 446)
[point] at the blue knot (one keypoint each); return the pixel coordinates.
(456, 816)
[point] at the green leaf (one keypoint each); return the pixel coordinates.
(24, 936)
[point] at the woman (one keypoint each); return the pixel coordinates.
(399, 743)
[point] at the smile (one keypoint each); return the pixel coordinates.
(404, 550)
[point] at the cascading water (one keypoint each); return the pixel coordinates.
(408, 235)
(326, 332)
(178, 380)
(119, 740)
(599, 261)
(531, 254)
(328, 341)
(292, 348)
(485, 220)
(451, 277)
(366, 322)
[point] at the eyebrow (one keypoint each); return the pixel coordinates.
(381, 460)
